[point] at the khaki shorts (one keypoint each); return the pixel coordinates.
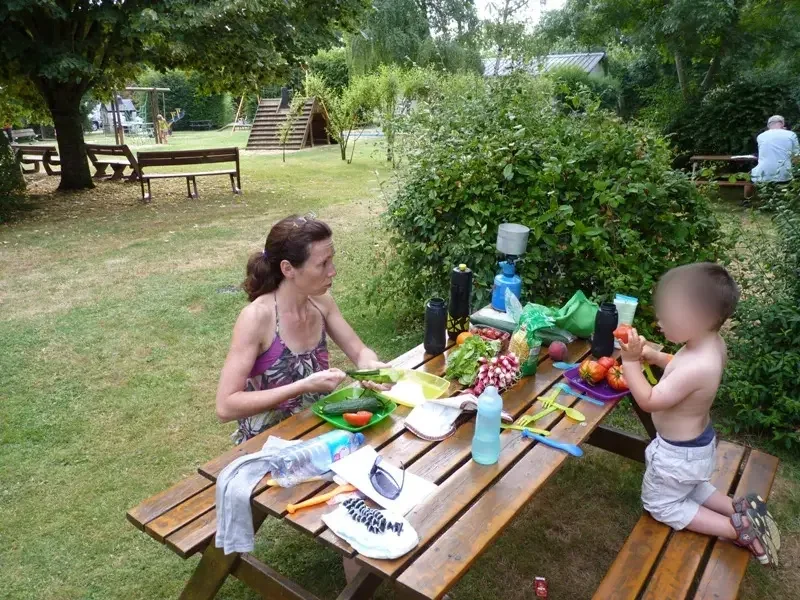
(676, 481)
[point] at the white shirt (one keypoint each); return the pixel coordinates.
(775, 150)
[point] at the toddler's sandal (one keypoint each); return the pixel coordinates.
(754, 536)
(756, 503)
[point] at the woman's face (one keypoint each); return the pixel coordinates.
(316, 275)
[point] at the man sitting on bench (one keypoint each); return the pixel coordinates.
(777, 146)
(692, 303)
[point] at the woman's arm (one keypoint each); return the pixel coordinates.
(344, 336)
(235, 403)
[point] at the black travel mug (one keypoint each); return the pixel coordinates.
(435, 326)
(604, 325)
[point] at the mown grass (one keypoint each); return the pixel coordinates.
(114, 321)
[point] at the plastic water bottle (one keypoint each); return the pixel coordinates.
(486, 441)
(313, 457)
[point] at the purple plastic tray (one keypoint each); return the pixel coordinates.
(601, 391)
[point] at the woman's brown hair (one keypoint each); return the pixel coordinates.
(289, 239)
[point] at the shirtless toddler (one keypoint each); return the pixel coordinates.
(692, 302)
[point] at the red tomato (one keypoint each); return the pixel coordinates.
(591, 371)
(358, 419)
(606, 362)
(622, 332)
(616, 379)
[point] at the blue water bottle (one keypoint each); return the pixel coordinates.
(486, 441)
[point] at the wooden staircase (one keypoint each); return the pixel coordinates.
(265, 132)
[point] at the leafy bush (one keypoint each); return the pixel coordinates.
(11, 179)
(759, 392)
(606, 212)
(185, 94)
(569, 79)
(331, 65)
(728, 118)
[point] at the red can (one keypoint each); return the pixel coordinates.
(540, 587)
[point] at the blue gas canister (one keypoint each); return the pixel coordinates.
(507, 278)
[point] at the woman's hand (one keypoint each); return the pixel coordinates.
(371, 364)
(324, 381)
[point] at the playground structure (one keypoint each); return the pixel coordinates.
(309, 128)
(123, 117)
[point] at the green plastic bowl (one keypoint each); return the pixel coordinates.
(351, 393)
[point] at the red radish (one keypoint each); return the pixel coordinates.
(557, 351)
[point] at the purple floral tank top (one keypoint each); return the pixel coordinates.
(279, 366)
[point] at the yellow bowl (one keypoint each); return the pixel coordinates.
(415, 387)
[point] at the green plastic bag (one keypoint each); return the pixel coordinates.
(577, 315)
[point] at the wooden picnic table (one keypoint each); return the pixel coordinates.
(471, 507)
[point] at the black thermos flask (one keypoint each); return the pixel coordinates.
(435, 326)
(604, 325)
(460, 296)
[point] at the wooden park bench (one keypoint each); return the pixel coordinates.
(176, 158)
(201, 124)
(121, 158)
(23, 134)
(470, 509)
(28, 154)
(738, 161)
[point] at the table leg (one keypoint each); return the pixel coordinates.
(213, 568)
(362, 587)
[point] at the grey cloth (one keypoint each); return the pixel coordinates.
(234, 487)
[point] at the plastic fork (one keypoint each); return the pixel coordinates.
(572, 413)
(573, 392)
(548, 409)
(516, 427)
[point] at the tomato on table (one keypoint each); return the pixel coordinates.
(358, 419)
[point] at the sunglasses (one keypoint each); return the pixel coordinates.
(383, 482)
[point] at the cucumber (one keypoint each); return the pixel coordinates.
(368, 403)
(376, 375)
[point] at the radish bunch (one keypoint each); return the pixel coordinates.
(500, 371)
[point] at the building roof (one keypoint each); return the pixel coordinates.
(585, 60)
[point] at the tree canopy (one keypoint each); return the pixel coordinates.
(65, 48)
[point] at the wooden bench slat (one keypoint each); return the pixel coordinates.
(160, 503)
(185, 512)
(192, 174)
(193, 537)
(442, 564)
(727, 563)
(684, 552)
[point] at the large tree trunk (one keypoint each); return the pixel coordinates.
(681, 71)
(64, 102)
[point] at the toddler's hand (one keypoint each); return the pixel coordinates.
(633, 351)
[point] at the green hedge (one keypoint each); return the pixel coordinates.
(606, 212)
(11, 179)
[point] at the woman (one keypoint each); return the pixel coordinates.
(278, 361)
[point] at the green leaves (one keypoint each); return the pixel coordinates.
(597, 222)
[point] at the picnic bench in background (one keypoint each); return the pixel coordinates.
(23, 134)
(174, 158)
(121, 158)
(743, 162)
(45, 155)
(201, 125)
(470, 509)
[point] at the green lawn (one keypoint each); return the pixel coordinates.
(115, 321)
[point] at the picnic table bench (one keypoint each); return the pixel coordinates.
(35, 154)
(121, 158)
(470, 509)
(739, 161)
(203, 124)
(188, 157)
(23, 134)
